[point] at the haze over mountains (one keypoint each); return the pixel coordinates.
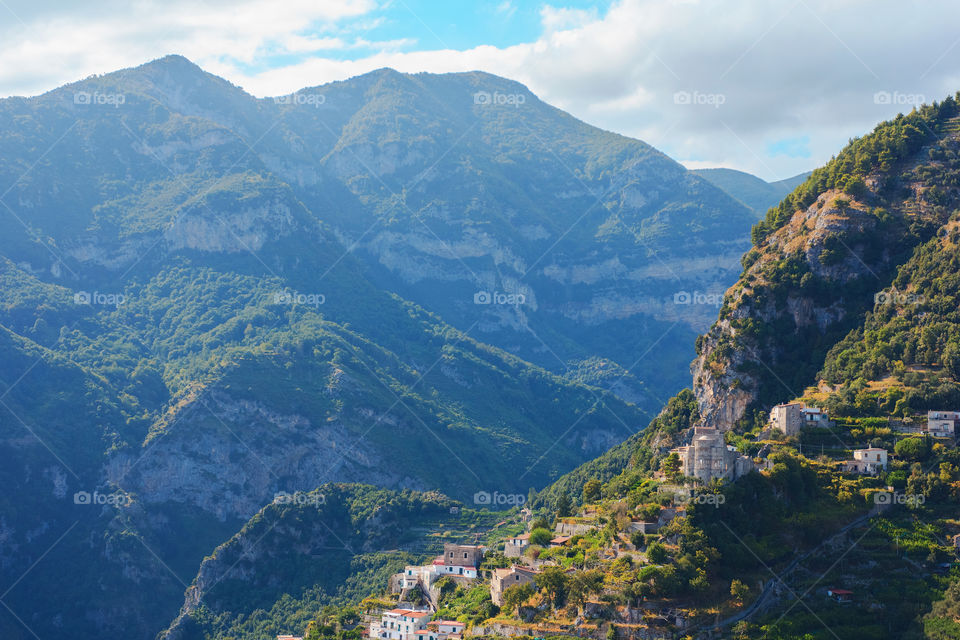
(211, 298)
(849, 298)
(756, 193)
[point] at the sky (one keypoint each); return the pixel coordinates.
(774, 88)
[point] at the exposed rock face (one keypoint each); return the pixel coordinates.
(731, 364)
(246, 229)
(231, 456)
(809, 282)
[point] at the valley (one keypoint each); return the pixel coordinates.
(346, 363)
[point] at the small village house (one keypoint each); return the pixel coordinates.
(509, 577)
(943, 424)
(790, 418)
(399, 624)
(515, 546)
(866, 461)
(459, 560)
(446, 628)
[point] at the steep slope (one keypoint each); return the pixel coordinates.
(304, 553)
(209, 342)
(461, 196)
(820, 259)
(851, 285)
(756, 193)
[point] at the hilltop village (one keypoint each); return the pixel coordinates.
(630, 563)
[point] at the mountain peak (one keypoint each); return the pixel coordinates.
(173, 62)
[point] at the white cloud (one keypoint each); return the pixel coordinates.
(506, 9)
(784, 70)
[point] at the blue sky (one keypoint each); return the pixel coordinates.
(430, 25)
(773, 88)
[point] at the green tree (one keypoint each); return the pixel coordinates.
(657, 553)
(671, 467)
(541, 537)
(912, 448)
(591, 490)
(515, 596)
(739, 591)
(583, 584)
(553, 582)
(943, 621)
(564, 506)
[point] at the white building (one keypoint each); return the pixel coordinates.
(942, 424)
(458, 561)
(400, 624)
(867, 461)
(442, 568)
(814, 417)
(440, 630)
(515, 546)
(447, 627)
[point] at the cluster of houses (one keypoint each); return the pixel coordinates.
(413, 624)
(793, 417)
(460, 562)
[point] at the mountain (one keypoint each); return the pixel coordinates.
(212, 299)
(311, 550)
(847, 297)
(756, 193)
(824, 261)
(848, 301)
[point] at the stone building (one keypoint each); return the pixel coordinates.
(708, 456)
(462, 555)
(509, 577)
(790, 418)
(943, 424)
